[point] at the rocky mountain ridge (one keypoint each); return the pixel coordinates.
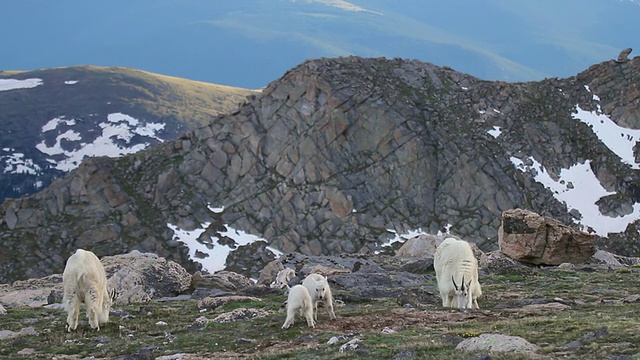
(337, 156)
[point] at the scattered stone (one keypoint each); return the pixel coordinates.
(351, 345)
(145, 353)
(199, 323)
(497, 342)
(55, 296)
(337, 339)
(26, 351)
(405, 355)
(632, 299)
(8, 334)
(3, 311)
(240, 314)
(214, 302)
(388, 330)
(161, 323)
(529, 237)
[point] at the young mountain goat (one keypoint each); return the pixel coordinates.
(299, 299)
(282, 279)
(454, 261)
(85, 281)
(319, 289)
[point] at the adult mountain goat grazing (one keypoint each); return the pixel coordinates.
(318, 287)
(299, 299)
(457, 274)
(85, 281)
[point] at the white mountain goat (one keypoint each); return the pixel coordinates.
(283, 278)
(318, 287)
(299, 299)
(85, 281)
(457, 274)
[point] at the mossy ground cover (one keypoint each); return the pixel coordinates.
(588, 320)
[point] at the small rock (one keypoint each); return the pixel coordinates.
(161, 323)
(3, 311)
(388, 330)
(243, 341)
(8, 334)
(337, 339)
(351, 345)
(26, 351)
(405, 355)
(632, 299)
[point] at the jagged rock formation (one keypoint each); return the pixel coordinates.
(624, 54)
(335, 153)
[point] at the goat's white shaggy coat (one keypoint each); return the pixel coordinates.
(299, 299)
(318, 287)
(283, 278)
(85, 281)
(457, 274)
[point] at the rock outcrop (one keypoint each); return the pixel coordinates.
(529, 237)
(338, 156)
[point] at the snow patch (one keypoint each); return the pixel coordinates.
(495, 132)
(17, 163)
(618, 139)
(579, 188)
(12, 84)
(117, 132)
(215, 253)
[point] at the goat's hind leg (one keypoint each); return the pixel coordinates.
(291, 314)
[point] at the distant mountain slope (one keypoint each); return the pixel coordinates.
(52, 118)
(344, 155)
(248, 43)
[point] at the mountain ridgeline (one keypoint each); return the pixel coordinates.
(338, 154)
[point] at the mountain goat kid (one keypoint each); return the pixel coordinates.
(299, 299)
(283, 278)
(318, 287)
(454, 260)
(85, 281)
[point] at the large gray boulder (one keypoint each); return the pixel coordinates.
(141, 277)
(529, 237)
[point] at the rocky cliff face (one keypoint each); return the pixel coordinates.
(335, 154)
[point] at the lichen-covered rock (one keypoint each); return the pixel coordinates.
(498, 342)
(529, 237)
